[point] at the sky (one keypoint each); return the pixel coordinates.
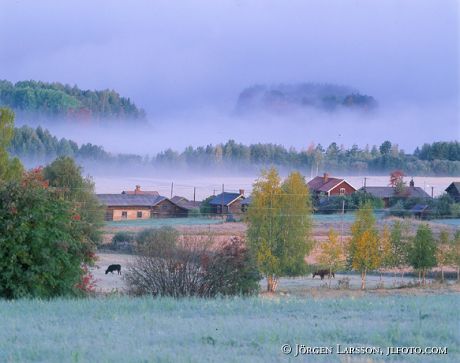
(185, 62)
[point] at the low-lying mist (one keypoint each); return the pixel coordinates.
(408, 127)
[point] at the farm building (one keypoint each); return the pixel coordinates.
(387, 193)
(185, 203)
(227, 203)
(327, 186)
(454, 191)
(139, 206)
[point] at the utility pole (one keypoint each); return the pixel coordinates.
(172, 189)
(365, 182)
(432, 188)
(341, 222)
(194, 194)
(222, 201)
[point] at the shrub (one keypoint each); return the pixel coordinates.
(158, 237)
(187, 266)
(123, 241)
(42, 250)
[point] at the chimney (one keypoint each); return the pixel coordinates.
(241, 191)
(137, 190)
(325, 177)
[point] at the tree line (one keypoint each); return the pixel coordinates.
(57, 100)
(38, 144)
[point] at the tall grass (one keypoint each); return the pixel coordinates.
(222, 330)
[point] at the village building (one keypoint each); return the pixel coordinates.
(327, 186)
(185, 203)
(454, 191)
(139, 206)
(227, 203)
(388, 193)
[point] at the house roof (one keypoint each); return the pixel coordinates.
(389, 192)
(127, 200)
(225, 198)
(454, 185)
(319, 184)
(140, 192)
(185, 203)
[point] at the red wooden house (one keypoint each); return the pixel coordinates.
(327, 186)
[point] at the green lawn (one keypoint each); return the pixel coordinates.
(224, 330)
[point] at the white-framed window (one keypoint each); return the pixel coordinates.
(124, 214)
(342, 191)
(139, 214)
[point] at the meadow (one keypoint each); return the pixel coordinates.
(121, 329)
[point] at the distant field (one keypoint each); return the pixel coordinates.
(161, 222)
(227, 330)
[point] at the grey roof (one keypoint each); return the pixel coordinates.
(127, 200)
(225, 198)
(455, 185)
(185, 203)
(389, 192)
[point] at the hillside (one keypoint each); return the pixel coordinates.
(283, 98)
(41, 100)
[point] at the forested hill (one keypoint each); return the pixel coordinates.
(41, 100)
(440, 158)
(284, 98)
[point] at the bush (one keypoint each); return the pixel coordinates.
(190, 267)
(42, 250)
(158, 237)
(123, 241)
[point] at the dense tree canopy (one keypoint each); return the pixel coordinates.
(41, 99)
(279, 225)
(10, 169)
(65, 177)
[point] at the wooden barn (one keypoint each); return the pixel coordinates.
(387, 193)
(227, 203)
(327, 186)
(139, 206)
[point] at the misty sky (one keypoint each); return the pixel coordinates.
(187, 60)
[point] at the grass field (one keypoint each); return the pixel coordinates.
(123, 329)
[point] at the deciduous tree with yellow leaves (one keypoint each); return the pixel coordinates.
(279, 225)
(363, 249)
(332, 253)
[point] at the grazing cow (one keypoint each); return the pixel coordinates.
(112, 268)
(322, 273)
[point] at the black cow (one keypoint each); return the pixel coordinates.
(322, 273)
(112, 268)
